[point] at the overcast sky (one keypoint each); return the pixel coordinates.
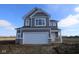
(66, 14)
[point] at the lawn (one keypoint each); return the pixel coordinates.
(7, 38)
(70, 39)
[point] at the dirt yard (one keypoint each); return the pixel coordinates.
(40, 49)
(70, 45)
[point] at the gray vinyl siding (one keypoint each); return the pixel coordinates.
(29, 22)
(47, 22)
(32, 23)
(24, 22)
(33, 19)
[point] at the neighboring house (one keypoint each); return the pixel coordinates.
(38, 29)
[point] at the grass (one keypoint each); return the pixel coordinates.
(70, 39)
(7, 38)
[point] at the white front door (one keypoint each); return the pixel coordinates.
(35, 37)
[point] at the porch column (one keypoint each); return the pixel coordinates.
(60, 36)
(49, 40)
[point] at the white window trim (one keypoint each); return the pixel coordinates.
(54, 23)
(42, 19)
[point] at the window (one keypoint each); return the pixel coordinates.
(40, 22)
(18, 35)
(27, 22)
(18, 31)
(54, 24)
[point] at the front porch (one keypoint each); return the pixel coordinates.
(55, 36)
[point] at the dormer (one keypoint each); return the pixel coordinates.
(36, 17)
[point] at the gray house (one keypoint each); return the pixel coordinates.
(38, 28)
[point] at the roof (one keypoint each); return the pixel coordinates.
(41, 13)
(53, 20)
(38, 13)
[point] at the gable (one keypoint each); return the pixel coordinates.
(36, 12)
(40, 14)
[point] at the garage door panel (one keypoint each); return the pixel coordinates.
(35, 37)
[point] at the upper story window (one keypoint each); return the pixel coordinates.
(27, 22)
(18, 31)
(53, 24)
(40, 22)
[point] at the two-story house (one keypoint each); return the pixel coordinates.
(38, 28)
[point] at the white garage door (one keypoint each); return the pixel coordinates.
(35, 37)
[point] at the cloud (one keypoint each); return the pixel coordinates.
(69, 25)
(69, 21)
(7, 25)
(76, 9)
